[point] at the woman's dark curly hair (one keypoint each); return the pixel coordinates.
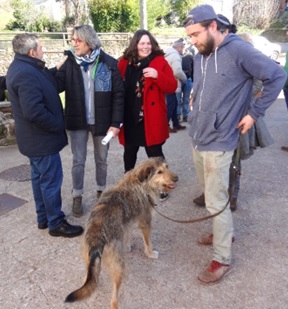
(131, 52)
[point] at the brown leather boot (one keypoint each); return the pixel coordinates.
(77, 208)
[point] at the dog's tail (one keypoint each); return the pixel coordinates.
(90, 284)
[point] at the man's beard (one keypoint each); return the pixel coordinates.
(208, 48)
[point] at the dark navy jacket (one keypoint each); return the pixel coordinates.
(37, 109)
(108, 95)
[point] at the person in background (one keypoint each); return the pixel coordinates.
(39, 130)
(173, 57)
(147, 77)
(94, 103)
(183, 97)
(285, 89)
(2, 87)
(224, 69)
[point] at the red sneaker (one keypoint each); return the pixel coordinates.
(214, 273)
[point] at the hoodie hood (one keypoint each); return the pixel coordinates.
(175, 61)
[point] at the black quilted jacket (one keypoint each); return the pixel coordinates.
(108, 96)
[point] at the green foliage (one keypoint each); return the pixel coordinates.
(24, 13)
(112, 15)
(180, 8)
(156, 11)
(28, 18)
(69, 21)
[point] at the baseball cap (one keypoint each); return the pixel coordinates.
(202, 13)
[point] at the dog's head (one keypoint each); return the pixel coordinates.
(155, 171)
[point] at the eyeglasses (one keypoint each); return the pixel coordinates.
(76, 41)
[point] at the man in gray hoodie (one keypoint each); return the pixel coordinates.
(224, 69)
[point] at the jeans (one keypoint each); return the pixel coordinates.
(184, 97)
(130, 154)
(79, 140)
(47, 176)
(171, 101)
(212, 168)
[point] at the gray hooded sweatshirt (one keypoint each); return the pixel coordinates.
(175, 61)
(222, 91)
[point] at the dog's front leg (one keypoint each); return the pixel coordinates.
(146, 234)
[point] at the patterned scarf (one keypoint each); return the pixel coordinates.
(85, 61)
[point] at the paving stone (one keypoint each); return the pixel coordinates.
(9, 202)
(17, 173)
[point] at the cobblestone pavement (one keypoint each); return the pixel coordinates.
(38, 271)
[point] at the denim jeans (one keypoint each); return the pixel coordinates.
(79, 140)
(186, 92)
(212, 168)
(171, 101)
(47, 177)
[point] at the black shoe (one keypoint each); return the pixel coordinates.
(184, 119)
(67, 230)
(42, 226)
(174, 130)
(200, 200)
(180, 127)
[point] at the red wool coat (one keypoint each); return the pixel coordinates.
(154, 105)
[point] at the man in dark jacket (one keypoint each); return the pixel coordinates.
(40, 131)
(94, 103)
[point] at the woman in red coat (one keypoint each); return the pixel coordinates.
(147, 77)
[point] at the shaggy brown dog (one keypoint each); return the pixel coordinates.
(106, 234)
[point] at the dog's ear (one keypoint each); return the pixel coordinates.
(145, 173)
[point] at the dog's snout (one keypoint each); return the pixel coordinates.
(175, 178)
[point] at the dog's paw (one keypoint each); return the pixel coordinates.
(153, 254)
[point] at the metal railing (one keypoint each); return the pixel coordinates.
(62, 39)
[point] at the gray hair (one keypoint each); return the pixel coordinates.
(179, 43)
(24, 42)
(87, 34)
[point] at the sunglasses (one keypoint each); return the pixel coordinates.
(76, 41)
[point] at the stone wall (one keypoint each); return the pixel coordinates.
(112, 43)
(7, 126)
